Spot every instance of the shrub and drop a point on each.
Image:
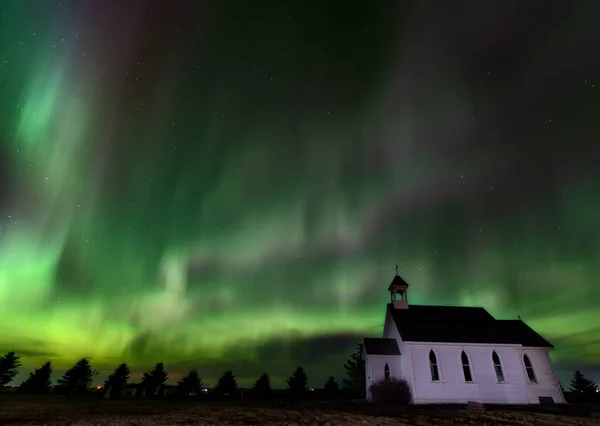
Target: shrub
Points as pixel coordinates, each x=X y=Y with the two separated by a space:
x=391 y=391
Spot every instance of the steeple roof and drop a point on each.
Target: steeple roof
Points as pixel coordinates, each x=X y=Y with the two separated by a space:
x=397 y=281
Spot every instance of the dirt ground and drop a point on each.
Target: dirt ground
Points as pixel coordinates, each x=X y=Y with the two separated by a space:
x=86 y=412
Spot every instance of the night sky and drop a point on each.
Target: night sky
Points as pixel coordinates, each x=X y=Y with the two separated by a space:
x=229 y=184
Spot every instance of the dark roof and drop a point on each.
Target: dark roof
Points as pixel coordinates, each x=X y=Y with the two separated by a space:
x=398 y=280
x=379 y=346
x=457 y=324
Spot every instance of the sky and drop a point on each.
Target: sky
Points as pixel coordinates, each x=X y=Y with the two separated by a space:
x=230 y=184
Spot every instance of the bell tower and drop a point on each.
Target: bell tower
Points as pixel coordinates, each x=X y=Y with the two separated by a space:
x=398 y=289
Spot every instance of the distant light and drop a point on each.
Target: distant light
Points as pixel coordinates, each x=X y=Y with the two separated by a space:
x=99 y=387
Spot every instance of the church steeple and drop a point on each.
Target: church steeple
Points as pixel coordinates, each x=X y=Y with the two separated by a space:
x=398 y=289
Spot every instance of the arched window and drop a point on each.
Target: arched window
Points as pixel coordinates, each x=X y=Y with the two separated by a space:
x=529 y=369
x=497 y=367
x=386 y=372
x=466 y=367
x=433 y=365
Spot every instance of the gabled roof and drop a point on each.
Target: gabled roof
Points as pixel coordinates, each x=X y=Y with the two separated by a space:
x=379 y=346
x=457 y=324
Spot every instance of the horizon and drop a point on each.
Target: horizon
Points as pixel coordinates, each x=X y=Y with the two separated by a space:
x=245 y=382
x=228 y=185
x=279 y=383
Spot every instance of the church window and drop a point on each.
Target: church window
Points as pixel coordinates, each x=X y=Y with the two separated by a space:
x=466 y=367
x=433 y=365
x=386 y=372
x=529 y=369
x=497 y=367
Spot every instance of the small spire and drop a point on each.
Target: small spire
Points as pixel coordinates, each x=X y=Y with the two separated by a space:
x=396 y=270
x=519 y=317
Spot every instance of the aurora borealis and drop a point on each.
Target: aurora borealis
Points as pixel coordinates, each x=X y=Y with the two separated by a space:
x=228 y=185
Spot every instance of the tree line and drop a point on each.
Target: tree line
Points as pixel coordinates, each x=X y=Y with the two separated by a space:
x=79 y=378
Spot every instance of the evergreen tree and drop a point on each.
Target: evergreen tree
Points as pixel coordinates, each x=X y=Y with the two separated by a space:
x=154 y=379
x=76 y=379
x=331 y=388
x=227 y=384
x=298 y=382
x=9 y=367
x=191 y=384
x=117 y=381
x=581 y=385
x=262 y=387
x=355 y=384
x=38 y=382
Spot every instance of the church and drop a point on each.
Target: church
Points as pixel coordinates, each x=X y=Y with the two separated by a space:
x=452 y=354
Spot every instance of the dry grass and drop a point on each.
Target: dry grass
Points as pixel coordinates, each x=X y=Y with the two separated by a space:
x=85 y=412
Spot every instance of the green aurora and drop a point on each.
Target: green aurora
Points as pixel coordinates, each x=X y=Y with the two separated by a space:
x=230 y=187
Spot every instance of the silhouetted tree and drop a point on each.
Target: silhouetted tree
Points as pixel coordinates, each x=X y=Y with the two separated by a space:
x=331 y=387
x=581 y=385
x=9 y=367
x=117 y=381
x=227 y=384
x=191 y=384
x=153 y=380
x=76 y=379
x=38 y=382
x=355 y=384
x=262 y=387
x=298 y=382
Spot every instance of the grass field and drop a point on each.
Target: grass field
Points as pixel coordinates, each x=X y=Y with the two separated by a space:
x=59 y=411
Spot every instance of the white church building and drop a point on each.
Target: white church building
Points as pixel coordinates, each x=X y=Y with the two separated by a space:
x=451 y=354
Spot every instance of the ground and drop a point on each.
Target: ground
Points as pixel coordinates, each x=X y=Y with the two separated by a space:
x=59 y=411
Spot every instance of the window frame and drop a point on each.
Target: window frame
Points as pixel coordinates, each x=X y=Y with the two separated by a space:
x=529 y=371
x=499 y=366
x=431 y=367
x=466 y=365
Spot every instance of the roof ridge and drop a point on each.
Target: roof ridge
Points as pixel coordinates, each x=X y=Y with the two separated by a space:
x=447 y=306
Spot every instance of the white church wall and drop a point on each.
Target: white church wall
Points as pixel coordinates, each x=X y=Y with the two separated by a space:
x=546 y=382
x=407 y=366
x=452 y=388
x=367 y=376
x=390 y=331
x=375 y=366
